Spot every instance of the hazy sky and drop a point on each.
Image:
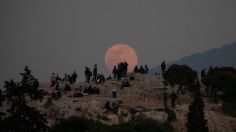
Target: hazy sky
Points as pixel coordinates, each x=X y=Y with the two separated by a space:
x=65 y=35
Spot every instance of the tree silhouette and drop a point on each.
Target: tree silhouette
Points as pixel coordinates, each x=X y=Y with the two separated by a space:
x=221 y=85
x=223 y=80
x=23 y=117
x=196 y=121
x=182 y=75
x=1 y=97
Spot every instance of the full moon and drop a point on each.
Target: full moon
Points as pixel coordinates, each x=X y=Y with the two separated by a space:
x=121 y=53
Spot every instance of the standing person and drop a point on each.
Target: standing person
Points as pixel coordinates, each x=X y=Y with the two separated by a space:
x=119 y=73
x=165 y=97
x=53 y=79
x=126 y=68
x=173 y=97
x=66 y=78
x=141 y=70
x=163 y=67
x=58 y=78
x=114 y=72
x=88 y=74
x=146 y=69
x=95 y=73
x=136 y=69
x=73 y=78
x=122 y=69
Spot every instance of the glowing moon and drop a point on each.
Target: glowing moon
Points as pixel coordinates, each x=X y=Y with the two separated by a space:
x=120 y=53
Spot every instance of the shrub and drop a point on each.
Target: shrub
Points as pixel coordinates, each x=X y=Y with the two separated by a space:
x=171 y=115
x=139 y=124
x=105 y=118
x=230 y=108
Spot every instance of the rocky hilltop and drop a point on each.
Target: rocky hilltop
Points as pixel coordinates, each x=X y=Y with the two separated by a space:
x=143 y=96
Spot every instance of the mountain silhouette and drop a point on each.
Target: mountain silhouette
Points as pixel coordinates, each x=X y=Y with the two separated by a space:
x=223 y=56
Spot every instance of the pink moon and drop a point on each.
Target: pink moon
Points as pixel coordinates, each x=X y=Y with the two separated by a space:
x=121 y=53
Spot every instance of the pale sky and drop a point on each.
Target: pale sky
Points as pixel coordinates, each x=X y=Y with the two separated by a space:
x=65 y=35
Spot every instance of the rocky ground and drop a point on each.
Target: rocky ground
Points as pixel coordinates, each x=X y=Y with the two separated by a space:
x=143 y=96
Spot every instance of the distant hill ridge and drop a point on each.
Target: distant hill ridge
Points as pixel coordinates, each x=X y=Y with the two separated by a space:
x=224 y=56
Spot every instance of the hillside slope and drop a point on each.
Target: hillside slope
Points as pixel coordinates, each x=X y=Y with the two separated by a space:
x=223 y=56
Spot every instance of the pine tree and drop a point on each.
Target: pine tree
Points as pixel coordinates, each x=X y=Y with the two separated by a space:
x=22 y=116
x=196 y=121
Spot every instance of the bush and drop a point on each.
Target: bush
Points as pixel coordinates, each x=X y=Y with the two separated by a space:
x=105 y=118
x=230 y=108
x=171 y=115
x=139 y=124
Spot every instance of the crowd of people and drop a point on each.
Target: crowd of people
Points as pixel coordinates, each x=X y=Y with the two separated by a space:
x=97 y=78
x=61 y=84
x=91 y=90
x=84 y=91
x=120 y=70
x=141 y=69
x=55 y=79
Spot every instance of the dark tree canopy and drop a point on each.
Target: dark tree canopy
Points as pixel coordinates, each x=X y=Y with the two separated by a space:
x=2 y=98
x=221 y=85
x=222 y=80
x=182 y=75
x=22 y=116
x=196 y=120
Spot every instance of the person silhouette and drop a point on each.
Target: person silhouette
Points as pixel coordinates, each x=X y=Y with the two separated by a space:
x=173 y=97
x=114 y=72
x=163 y=67
x=88 y=74
x=95 y=73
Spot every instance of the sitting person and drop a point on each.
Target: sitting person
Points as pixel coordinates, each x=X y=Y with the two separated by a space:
x=78 y=93
x=85 y=91
x=96 y=90
x=67 y=87
x=109 y=77
x=56 y=95
x=132 y=76
x=125 y=83
x=90 y=90
x=114 y=108
x=100 y=79
x=107 y=106
x=114 y=93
